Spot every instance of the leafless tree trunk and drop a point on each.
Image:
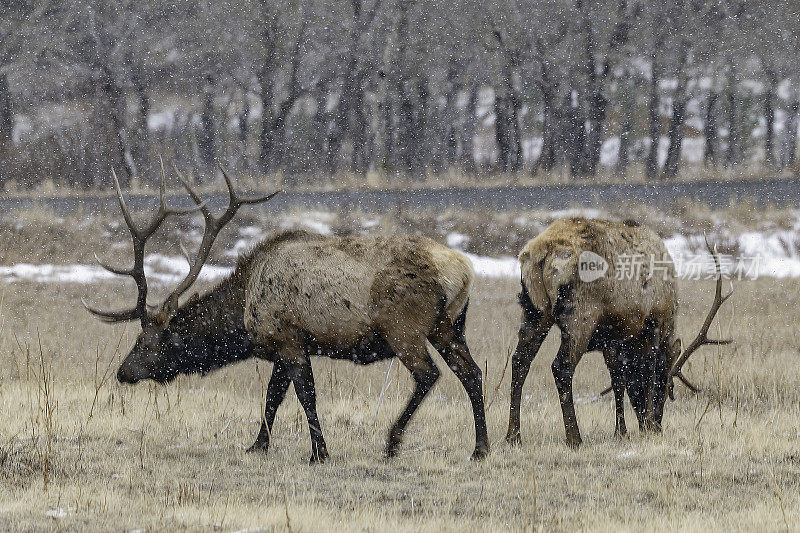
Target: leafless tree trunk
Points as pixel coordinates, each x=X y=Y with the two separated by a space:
x=769 y=118
x=552 y=121
x=574 y=136
x=710 y=129
x=733 y=155
x=449 y=141
x=654 y=121
x=791 y=133
x=6 y=125
x=468 y=130
x=113 y=101
x=320 y=121
x=206 y=136
x=502 y=134
x=626 y=126
x=273 y=122
x=676 y=128
x=676 y=124
x=419 y=136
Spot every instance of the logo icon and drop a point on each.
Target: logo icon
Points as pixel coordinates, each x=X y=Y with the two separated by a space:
x=591 y=266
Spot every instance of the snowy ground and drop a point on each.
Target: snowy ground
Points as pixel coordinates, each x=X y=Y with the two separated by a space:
x=767 y=246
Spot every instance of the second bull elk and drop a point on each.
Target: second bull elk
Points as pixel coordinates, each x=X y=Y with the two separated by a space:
x=629 y=316
x=299 y=294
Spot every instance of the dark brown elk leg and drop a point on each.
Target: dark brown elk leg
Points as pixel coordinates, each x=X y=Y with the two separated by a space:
x=657 y=379
x=618 y=386
x=425 y=374
x=569 y=354
x=449 y=341
x=530 y=338
x=276 y=392
x=299 y=368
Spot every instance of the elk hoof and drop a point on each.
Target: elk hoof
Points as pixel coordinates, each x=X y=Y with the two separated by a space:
x=259 y=446
x=480 y=453
x=514 y=439
x=319 y=457
x=391 y=451
x=620 y=432
x=392 y=443
x=574 y=442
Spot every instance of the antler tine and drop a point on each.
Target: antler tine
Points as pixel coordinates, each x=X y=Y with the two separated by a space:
x=192 y=193
x=185 y=253
x=214 y=225
x=112 y=316
x=702 y=337
x=112 y=269
x=231 y=191
x=163 y=210
x=123 y=206
x=234 y=196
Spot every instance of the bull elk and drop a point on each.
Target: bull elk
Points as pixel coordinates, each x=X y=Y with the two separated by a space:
x=627 y=315
x=298 y=294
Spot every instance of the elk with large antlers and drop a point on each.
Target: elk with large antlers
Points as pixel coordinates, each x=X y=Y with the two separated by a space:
x=609 y=286
x=299 y=294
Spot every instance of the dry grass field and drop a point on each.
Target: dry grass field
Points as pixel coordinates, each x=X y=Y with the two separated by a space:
x=80 y=452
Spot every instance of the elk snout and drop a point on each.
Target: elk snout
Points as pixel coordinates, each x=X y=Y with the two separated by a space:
x=127 y=373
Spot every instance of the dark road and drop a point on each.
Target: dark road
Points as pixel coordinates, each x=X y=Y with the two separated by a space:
x=776 y=192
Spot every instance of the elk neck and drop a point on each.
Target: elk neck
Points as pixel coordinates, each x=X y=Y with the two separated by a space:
x=212 y=327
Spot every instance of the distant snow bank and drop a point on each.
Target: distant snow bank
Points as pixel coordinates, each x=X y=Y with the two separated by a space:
x=495 y=267
x=160 y=269
x=769 y=253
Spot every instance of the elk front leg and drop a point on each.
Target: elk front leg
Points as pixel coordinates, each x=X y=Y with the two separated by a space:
x=618 y=386
x=276 y=392
x=454 y=350
x=425 y=373
x=531 y=335
x=301 y=374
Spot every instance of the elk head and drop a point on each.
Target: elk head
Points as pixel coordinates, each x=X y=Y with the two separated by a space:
x=159 y=348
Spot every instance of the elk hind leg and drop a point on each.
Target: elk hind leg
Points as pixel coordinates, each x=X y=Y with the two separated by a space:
x=276 y=392
x=299 y=365
x=414 y=356
x=531 y=335
x=573 y=345
x=448 y=339
x=618 y=386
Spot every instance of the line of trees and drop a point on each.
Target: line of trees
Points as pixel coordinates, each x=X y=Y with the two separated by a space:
x=407 y=87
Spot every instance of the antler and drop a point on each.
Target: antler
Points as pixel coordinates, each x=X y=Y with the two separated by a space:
x=213 y=225
x=139 y=237
x=702 y=338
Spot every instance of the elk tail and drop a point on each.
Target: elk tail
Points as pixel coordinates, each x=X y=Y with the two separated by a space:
x=461 y=321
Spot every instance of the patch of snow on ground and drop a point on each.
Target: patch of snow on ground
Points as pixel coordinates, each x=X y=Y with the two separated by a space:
x=760 y=254
x=371 y=222
x=318 y=222
x=57 y=512
x=577 y=212
x=494 y=267
x=160 y=269
x=53 y=273
x=457 y=240
x=776 y=252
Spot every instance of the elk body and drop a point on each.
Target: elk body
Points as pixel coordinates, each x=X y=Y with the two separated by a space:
x=299 y=294
x=628 y=314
